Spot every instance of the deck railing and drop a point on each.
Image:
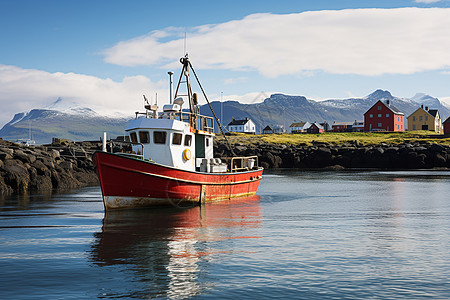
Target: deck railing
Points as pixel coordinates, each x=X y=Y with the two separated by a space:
x=241 y=163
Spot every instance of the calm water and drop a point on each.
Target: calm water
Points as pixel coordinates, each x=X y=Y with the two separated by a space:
x=319 y=235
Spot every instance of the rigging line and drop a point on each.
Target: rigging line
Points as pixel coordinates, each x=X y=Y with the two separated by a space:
x=210 y=107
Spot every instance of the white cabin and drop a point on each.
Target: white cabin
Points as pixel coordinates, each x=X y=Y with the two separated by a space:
x=169 y=139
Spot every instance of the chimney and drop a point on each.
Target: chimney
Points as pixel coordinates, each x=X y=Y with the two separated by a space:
x=246 y=118
x=388 y=102
x=426 y=108
x=232 y=119
x=421 y=106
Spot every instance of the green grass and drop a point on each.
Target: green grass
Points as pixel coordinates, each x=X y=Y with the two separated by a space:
x=337 y=138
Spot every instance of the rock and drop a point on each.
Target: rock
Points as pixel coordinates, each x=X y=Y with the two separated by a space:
x=16 y=175
x=7 y=151
x=334 y=168
x=67 y=165
x=54 y=153
x=437 y=148
x=22 y=156
x=4 y=156
x=41 y=168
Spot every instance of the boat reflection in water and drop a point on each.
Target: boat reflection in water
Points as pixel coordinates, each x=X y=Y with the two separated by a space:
x=166 y=252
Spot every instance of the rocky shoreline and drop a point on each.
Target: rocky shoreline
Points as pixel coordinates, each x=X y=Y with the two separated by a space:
x=45 y=168
x=417 y=155
x=68 y=165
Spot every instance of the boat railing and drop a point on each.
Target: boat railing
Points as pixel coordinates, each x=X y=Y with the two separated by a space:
x=241 y=163
x=200 y=122
x=197 y=121
x=138 y=154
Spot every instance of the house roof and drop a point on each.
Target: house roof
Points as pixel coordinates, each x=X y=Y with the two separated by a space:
x=317 y=125
x=432 y=112
x=391 y=107
x=267 y=128
x=300 y=124
x=447 y=120
x=342 y=123
x=238 y=122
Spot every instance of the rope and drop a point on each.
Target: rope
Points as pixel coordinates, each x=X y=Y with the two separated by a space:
x=210 y=107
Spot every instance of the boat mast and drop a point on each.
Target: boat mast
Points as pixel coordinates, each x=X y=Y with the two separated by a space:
x=185 y=72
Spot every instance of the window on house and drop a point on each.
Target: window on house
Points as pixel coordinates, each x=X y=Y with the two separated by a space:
x=379 y=107
x=188 y=140
x=379 y=124
x=414 y=127
x=133 y=137
x=426 y=118
x=159 y=137
x=379 y=115
x=420 y=118
x=370 y=116
x=144 y=137
x=414 y=118
x=176 y=138
x=387 y=115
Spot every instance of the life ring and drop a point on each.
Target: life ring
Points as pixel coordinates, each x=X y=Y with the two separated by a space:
x=187 y=154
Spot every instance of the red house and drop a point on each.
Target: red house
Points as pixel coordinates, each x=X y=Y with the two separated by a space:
x=383 y=116
x=447 y=126
x=315 y=128
x=342 y=126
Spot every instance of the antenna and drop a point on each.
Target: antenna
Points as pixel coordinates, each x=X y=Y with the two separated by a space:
x=170 y=86
x=145 y=99
x=156 y=99
x=185 y=47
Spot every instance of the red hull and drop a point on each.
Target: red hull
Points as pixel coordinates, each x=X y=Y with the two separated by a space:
x=129 y=183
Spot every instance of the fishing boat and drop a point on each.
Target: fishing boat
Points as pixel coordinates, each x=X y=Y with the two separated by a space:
x=171 y=160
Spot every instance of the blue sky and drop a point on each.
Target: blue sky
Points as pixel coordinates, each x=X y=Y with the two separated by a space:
x=106 y=54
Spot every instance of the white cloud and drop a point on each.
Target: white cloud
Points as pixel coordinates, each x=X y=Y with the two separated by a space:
x=427 y=1
x=352 y=41
x=26 y=89
x=236 y=80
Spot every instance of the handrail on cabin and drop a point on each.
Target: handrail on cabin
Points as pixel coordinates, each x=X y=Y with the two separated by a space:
x=242 y=163
x=129 y=143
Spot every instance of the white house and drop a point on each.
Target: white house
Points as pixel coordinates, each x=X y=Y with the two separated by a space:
x=299 y=127
x=245 y=126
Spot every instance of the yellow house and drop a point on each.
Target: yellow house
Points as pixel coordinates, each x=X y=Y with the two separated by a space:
x=425 y=119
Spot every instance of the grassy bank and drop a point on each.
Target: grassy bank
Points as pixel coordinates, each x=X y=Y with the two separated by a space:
x=363 y=138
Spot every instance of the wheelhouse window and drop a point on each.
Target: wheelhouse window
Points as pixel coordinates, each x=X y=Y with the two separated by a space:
x=144 y=137
x=188 y=140
x=159 y=137
x=133 y=137
x=177 y=138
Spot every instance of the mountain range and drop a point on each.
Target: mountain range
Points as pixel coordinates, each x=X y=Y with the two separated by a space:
x=280 y=109
x=77 y=123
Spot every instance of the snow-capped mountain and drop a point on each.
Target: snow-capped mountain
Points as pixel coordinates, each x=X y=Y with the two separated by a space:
x=63 y=119
x=70 y=108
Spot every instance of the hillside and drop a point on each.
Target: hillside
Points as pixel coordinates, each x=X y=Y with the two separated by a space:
x=281 y=109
